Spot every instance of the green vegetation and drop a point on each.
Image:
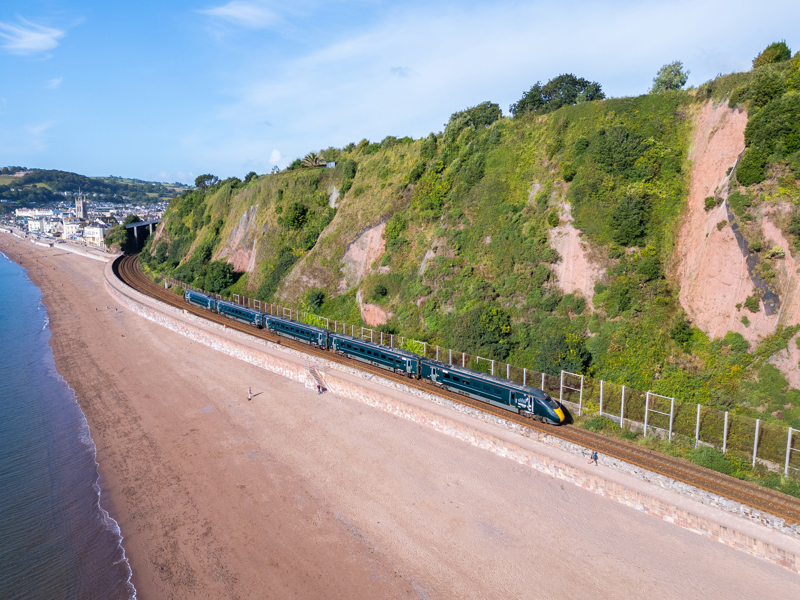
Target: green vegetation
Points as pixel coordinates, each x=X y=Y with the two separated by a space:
x=479 y=200
x=670 y=78
x=564 y=90
x=42 y=186
x=774 y=53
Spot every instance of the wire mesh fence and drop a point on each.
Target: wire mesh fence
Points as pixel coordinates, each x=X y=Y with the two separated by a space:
x=628 y=407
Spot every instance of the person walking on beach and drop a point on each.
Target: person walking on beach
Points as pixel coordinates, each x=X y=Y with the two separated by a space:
x=593 y=458
x=249 y=394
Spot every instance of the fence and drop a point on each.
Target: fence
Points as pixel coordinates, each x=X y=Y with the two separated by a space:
x=645 y=411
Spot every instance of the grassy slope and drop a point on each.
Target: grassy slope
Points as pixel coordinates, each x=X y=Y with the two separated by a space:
x=489 y=289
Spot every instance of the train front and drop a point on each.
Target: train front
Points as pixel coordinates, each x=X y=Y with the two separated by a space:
x=552 y=411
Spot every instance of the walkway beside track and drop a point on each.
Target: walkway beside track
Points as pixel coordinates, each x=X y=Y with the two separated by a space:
x=684 y=505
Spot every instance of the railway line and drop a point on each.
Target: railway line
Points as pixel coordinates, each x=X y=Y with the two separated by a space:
x=750 y=494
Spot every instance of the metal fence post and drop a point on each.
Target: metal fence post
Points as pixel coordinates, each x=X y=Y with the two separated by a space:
x=725 y=435
x=561 y=389
x=437 y=353
x=391 y=340
x=671 y=416
x=601 y=397
x=646 y=410
x=492 y=367
x=508 y=371
x=580 y=399
x=542 y=381
x=463 y=359
x=622 y=408
x=788 y=452
x=755 y=442
x=697 y=428
x=425 y=349
x=524 y=376
x=381 y=338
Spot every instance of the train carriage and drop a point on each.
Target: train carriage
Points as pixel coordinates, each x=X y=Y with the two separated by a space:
x=522 y=399
x=240 y=313
x=200 y=299
x=309 y=334
x=391 y=359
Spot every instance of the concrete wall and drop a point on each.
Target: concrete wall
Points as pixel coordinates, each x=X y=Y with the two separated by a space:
x=743 y=538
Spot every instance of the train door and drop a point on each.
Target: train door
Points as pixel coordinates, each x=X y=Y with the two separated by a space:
x=434 y=375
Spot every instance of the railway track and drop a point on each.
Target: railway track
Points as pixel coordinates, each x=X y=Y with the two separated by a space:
x=750 y=494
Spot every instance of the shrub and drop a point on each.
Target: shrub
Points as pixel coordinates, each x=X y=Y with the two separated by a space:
x=629 y=221
x=379 y=291
x=745 y=321
x=755 y=246
x=765 y=85
x=721 y=224
x=775 y=252
x=775 y=125
x=553 y=218
x=315 y=299
x=750 y=169
x=596 y=423
x=296 y=215
x=568 y=172
x=681 y=332
x=752 y=303
x=616 y=151
x=739 y=202
x=775 y=52
x=709 y=203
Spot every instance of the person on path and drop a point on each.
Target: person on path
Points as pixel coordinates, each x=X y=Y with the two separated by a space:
x=249 y=394
x=593 y=458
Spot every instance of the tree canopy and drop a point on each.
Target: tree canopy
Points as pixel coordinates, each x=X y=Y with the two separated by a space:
x=482 y=115
x=775 y=52
x=202 y=182
x=670 y=78
x=564 y=90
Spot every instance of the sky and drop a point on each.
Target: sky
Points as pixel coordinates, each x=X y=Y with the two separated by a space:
x=165 y=91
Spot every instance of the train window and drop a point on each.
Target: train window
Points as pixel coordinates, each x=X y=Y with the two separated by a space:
x=456 y=379
x=383 y=356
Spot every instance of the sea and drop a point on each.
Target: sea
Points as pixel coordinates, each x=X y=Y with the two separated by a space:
x=56 y=540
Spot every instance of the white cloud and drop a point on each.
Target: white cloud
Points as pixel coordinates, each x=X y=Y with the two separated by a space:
x=252 y=15
x=275 y=157
x=54 y=83
x=28 y=38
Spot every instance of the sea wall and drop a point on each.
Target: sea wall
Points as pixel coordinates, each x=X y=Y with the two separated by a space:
x=339 y=380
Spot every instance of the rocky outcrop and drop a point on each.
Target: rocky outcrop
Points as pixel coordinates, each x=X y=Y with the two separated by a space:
x=240 y=247
x=578 y=270
x=361 y=254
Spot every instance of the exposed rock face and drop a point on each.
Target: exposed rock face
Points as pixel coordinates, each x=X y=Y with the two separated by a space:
x=372 y=314
x=712 y=269
x=240 y=247
x=577 y=272
x=360 y=255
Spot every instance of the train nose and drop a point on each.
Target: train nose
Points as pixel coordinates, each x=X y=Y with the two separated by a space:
x=560 y=415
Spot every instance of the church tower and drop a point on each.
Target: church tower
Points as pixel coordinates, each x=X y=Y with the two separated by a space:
x=81 y=210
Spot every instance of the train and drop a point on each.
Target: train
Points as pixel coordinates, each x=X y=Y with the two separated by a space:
x=524 y=400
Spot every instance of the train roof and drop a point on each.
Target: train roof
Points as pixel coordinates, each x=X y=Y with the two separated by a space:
x=399 y=351
x=196 y=293
x=285 y=320
x=493 y=378
x=234 y=305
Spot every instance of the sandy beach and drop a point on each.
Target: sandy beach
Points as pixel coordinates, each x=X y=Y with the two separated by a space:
x=295 y=495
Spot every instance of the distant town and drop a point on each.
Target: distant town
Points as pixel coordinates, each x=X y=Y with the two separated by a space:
x=79 y=220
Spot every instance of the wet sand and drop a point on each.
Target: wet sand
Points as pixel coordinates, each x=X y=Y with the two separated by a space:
x=295 y=495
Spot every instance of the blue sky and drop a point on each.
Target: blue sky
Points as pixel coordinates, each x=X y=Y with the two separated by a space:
x=168 y=90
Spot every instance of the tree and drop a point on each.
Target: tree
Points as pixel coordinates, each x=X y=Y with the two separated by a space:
x=312 y=159
x=250 y=176
x=563 y=90
x=131 y=219
x=202 y=182
x=482 y=115
x=296 y=215
x=775 y=52
x=670 y=78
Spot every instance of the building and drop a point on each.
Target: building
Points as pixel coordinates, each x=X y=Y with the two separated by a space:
x=95 y=233
x=73 y=227
x=22 y=213
x=81 y=208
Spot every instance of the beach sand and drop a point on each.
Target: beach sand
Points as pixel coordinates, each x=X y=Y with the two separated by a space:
x=295 y=495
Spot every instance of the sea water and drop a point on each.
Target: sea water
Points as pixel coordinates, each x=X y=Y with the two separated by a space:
x=56 y=541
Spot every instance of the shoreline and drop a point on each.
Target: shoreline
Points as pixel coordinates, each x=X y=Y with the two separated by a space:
x=296 y=494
